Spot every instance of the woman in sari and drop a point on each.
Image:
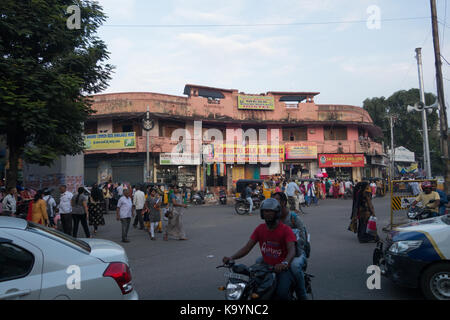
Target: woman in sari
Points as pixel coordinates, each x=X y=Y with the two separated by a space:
x=362 y=210
x=39 y=210
x=336 y=189
x=96 y=208
x=175 y=227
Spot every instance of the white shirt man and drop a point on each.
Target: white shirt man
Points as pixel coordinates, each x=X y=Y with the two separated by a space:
x=291 y=188
x=65 y=205
x=348 y=185
x=65 y=210
x=125 y=206
x=51 y=204
x=139 y=200
x=120 y=190
x=9 y=203
x=124 y=213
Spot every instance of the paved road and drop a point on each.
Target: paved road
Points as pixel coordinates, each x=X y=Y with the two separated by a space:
x=176 y=270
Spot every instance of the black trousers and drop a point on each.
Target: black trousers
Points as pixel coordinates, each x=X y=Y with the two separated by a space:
x=66 y=222
x=139 y=218
x=77 y=218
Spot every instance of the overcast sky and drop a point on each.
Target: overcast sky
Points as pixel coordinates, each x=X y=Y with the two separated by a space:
x=345 y=62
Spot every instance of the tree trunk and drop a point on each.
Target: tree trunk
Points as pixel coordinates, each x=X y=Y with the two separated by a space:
x=15 y=151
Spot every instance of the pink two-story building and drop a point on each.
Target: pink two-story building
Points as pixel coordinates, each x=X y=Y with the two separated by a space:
x=305 y=138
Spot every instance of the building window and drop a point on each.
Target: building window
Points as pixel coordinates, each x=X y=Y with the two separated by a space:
x=335 y=133
x=295 y=134
x=90 y=127
x=127 y=128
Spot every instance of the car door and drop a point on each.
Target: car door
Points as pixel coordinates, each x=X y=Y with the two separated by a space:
x=20 y=268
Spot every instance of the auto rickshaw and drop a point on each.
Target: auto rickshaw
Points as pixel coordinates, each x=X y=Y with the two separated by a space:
x=242 y=183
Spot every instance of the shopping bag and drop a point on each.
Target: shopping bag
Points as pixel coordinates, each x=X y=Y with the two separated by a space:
x=372 y=226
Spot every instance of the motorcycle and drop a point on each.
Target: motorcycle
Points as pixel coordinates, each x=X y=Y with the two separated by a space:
x=198 y=198
x=257 y=282
x=222 y=197
x=420 y=213
x=242 y=206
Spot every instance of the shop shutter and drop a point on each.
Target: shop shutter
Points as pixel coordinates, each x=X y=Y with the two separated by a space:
x=129 y=174
x=90 y=176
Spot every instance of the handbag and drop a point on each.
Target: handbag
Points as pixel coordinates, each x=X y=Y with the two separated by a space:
x=169 y=213
x=372 y=225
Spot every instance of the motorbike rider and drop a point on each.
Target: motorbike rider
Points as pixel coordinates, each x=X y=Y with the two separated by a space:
x=248 y=196
x=291 y=219
x=443 y=201
x=277 y=245
x=426 y=196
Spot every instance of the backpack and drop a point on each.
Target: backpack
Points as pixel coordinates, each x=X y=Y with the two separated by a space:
x=49 y=208
x=307 y=246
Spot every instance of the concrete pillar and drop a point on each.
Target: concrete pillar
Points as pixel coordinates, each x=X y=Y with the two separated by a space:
x=199 y=185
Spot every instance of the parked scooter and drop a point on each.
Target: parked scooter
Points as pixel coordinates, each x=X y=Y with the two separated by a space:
x=222 y=197
x=257 y=282
x=198 y=198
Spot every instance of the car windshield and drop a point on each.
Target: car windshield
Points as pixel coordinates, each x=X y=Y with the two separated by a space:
x=58 y=236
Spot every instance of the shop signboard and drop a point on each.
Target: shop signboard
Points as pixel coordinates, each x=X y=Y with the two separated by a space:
x=108 y=141
x=301 y=150
x=341 y=160
x=252 y=153
x=247 y=102
x=179 y=159
x=380 y=161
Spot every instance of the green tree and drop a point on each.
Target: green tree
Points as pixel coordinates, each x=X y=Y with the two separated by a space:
x=408 y=126
x=47 y=72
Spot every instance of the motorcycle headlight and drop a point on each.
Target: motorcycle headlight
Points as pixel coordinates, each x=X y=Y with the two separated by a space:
x=234 y=290
x=412 y=215
x=401 y=247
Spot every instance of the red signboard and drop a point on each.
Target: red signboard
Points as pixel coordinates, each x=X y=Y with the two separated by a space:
x=341 y=160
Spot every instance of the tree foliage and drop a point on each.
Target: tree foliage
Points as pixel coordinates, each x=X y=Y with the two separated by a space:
x=47 y=72
x=408 y=126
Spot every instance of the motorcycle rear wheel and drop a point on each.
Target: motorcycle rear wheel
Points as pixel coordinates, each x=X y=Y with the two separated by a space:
x=241 y=208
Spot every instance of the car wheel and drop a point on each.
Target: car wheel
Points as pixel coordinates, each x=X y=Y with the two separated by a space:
x=435 y=282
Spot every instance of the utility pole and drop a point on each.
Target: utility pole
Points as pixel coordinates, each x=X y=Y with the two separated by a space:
x=426 y=150
x=440 y=93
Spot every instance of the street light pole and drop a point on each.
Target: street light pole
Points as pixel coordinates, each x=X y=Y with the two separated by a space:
x=426 y=150
x=147 y=118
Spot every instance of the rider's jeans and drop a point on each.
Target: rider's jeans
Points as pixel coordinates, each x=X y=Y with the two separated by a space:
x=297 y=270
x=249 y=199
x=286 y=278
x=442 y=210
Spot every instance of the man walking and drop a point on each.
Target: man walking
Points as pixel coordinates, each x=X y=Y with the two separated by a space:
x=51 y=206
x=10 y=202
x=124 y=213
x=138 y=206
x=291 y=190
x=65 y=209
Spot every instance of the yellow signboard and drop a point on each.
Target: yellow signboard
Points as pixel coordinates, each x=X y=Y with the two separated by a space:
x=108 y=141
x=256 y=102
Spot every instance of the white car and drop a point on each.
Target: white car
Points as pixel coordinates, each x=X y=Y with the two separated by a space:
x=41 y=263
x=417 y=255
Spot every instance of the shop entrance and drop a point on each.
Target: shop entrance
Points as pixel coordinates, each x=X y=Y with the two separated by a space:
x=341 y=173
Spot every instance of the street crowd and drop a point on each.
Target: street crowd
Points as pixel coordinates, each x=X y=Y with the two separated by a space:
x=88 y=206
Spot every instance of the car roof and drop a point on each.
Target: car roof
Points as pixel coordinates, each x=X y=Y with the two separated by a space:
x=13 y=223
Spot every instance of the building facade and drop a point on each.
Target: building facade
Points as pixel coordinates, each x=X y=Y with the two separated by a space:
x=240 y=135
